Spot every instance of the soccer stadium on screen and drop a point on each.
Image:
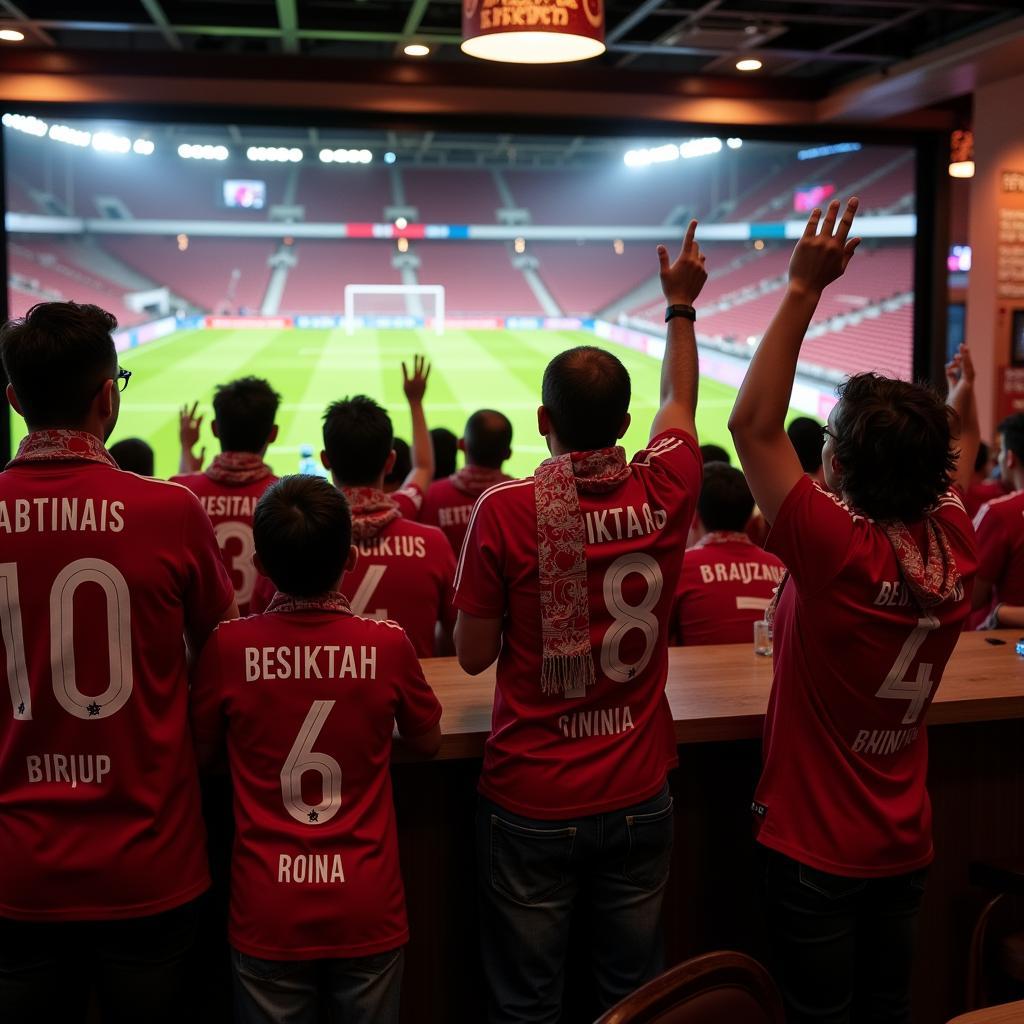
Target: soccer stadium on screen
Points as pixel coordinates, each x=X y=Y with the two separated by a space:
x=319 y=258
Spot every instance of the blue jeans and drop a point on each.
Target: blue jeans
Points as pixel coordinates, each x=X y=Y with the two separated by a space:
x=843 y=948
x=533 y=874
x=354 y=990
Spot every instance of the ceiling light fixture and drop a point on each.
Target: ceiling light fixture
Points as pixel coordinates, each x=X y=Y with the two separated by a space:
x=505 y=30
x=417 y=50
x=11 y=35
x=961 y=154
x=749 y=64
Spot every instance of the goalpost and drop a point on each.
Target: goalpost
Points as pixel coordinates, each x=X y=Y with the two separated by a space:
x=353 y=290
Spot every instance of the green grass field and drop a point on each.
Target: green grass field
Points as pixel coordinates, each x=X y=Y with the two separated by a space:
x=310 y=368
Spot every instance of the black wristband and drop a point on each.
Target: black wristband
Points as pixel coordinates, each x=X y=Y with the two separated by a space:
x=687 y=312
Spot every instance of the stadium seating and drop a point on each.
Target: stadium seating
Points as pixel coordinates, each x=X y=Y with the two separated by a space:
x=349 y=192
x=584 y=278
x=444 y=195
x=317 y=282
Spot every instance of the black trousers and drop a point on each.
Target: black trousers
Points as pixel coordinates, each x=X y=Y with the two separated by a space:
x=139 y=967
x=843 y=948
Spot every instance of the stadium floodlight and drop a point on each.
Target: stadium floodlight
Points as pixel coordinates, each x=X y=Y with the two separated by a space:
x=354 y=290
x=670 y=151
x=72 y=136
x=734 y=143
x=275 y=154
x=25 y=123
x=832 y=150
x=390 y=158
x=346 y=156
x=699 y=147
x=401 y=223
x=107 y=142
x=194 y=151
x=144 y=147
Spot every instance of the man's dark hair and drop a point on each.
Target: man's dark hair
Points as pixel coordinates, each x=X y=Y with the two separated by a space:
x=134 y=455
x=57 y=357
x=358 y=439
x=586 y=394
x=302 y=529
x=981 y=459
x=402 y=467
x=806 y=437
x=1012 y=429
x=446 y=447
x=487 y=438
x=892 y=440
x=245 y=410
x=714 y=453
x=725 y=501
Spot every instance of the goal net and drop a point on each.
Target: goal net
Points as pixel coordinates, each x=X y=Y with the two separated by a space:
x=368 y=302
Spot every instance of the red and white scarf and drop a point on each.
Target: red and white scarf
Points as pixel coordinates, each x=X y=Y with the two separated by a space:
x=331 y=601
x=371 y=509
x=931 y=579
x=61 y=446
x=568 y=662
x=236 y=469
x=723 y=537
x=474 y=480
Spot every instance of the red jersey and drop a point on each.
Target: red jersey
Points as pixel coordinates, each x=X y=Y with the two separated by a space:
x=449 y=508
x=230 y=508
x=978 y=494
x=405 y=574
x=565 y=755
x=102 y=571
x=309 y=698
x=1000 y=529
x=726 y=584
x=857 y=663
x=410 y=501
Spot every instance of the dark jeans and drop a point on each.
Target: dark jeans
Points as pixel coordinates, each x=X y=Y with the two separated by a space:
x=356 y=990
x=843 y=947
x=534 y=873
x=140 y=968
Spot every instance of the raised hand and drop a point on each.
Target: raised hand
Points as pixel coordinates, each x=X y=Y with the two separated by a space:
x=682 y=280
x=415 y=386
x=189 y=426
x=960 y=369
x=822 y=256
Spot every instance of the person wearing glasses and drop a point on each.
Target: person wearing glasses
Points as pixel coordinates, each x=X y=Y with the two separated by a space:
x=108 y=581
x=880 y=565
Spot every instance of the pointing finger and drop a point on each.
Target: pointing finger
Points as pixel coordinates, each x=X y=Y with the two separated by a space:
x=663 y=258
x=690 y=232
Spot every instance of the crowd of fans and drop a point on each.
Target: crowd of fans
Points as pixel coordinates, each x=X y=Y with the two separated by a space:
x=277 y=626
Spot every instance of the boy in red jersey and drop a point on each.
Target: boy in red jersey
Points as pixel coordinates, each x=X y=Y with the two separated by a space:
x=308 y=695
x=105 y=577
x=243 y=422
x=487 y=442
x=568 y=576
x=880 y=571
x=405 y=569
x=727 y=581
x=983 y=487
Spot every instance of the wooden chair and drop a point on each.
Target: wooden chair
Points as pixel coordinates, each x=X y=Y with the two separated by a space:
x=709 y=989
x=997 y=942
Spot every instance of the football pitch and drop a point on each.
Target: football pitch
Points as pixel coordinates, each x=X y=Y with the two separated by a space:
x=472 y=369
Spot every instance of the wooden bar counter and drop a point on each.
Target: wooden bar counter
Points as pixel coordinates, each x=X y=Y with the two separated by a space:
x=718 y=697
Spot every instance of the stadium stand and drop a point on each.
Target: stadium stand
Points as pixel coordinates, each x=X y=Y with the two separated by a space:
x=446 y=195
x=584 y=278
x=349 y=193
x=317 y=282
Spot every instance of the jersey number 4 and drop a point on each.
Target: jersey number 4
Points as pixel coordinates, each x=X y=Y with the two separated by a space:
x=917 y=688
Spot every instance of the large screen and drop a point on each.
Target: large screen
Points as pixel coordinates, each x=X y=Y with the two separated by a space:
x=319 y=259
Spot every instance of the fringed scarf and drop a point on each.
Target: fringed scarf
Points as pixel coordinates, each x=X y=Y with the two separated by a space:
x=236 y=469
x=371 y=509
x=331 y=601
x=568 y=662
x=61 y=446
x=474 y=480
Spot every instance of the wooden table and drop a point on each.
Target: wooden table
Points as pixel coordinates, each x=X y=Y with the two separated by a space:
x=1008 y=1013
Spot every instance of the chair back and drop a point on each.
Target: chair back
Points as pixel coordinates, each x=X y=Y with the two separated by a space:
x=711 y=989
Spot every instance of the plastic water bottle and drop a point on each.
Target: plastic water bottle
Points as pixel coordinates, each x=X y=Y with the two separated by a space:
x=308 y=466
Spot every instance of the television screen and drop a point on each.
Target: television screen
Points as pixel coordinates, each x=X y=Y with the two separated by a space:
x=959 y=258
x=806 y=199
x=490 y=252
x=245 y=193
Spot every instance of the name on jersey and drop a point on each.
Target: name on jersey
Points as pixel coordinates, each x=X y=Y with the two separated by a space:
x=310 y=868
x=58 y=515
x=237 y=505
x=896 y=594
x=600 y=722
x=73 y=769
x=883 y=741
x=394 y=547
x=608 y=524
x=457 y=515
x=325 y=661
x=740 y=572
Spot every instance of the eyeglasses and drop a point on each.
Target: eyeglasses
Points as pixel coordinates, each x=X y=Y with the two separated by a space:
x=826 y=434
x=122 y=378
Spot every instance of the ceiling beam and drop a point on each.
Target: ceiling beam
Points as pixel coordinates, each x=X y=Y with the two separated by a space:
x=24 y=21
x=415 y=17
x=288 y=19
x=630 y=20
x=156 y=12
x=707 y=51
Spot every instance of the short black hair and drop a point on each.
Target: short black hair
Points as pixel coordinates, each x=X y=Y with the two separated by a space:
x=302 y=529
x=133 y=455
x=446 y=447
x=403 y=463
x=586 y=394
x=892 y=441
x=981 y=459
x=57 y=357
x=714 y=453
x=1012 y=429
x=358 y=439
x=488 y=438
x=807 y=438
x=245 y=410
x=725 y=501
